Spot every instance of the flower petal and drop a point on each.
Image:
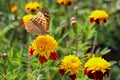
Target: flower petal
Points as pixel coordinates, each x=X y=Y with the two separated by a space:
x=107 y=73
x=91 y=20
x=85 y=71
x=90 y=74
x=69 y=3
x=72 y=77
x=31 y=51
x=22 y=23
x=62 y=71
x=98 y=75
x=97 y=21
x=33 y=10
x=42 y=59
x=53 y=56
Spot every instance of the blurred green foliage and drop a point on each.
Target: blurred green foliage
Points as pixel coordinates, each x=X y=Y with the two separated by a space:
x=14 y=40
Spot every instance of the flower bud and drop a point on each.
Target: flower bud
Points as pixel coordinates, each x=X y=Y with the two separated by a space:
x=76 y=8
x=4 y=56
x=73 y=21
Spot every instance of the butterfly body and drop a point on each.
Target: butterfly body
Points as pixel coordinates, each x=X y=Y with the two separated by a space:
x=39 y=24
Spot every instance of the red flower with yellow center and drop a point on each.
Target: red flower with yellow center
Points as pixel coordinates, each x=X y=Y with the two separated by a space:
x=32 y=6
x=45 y=46
x=98 y=16
x=70 y=64
x=96 y=68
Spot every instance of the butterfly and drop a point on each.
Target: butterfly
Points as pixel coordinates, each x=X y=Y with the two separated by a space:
x=40 y=23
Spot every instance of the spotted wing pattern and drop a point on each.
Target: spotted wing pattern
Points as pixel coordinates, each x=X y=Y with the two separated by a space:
x=46 y=13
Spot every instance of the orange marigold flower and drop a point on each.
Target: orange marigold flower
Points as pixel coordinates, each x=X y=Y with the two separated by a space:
x=96 y=68
x=45 y=46
x=26 y=18
x=98 y=16
x=65 y=2
x=32 y=6
x=70 y=64
x=14 y=8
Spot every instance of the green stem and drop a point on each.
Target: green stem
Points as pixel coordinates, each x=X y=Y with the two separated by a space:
x=94 y=43
x=4 y=70
x=76 y=44
x=76 y=41
x=63 y=77
x=68 y=46
x=49 y=76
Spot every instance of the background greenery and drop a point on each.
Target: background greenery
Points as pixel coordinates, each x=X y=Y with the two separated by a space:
x=14 y=40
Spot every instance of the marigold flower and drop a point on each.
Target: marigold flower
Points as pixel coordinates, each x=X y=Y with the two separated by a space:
x=45 y=46
x=98 y=16
x=14 y=8
x=65 y=2
x=32 y=6
x=70 y=64
x=26 y=18
x=96 y=68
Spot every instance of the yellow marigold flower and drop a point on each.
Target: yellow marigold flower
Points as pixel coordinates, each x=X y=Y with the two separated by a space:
x=45 y=46
x=98 y=16
x=27 y=18
x=65 y=2
x=96 y=68
x=32 y=6
x=70 y=64
x=14 y=8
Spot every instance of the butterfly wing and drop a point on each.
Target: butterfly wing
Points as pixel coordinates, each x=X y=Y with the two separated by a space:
x=46 y=13
x=39 y=24
x=32 y=27
x=40 y=18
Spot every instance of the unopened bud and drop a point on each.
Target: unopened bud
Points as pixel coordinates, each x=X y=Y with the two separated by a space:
x=73 y=24
x=4 y=56
x=76 y=8
x=73 y=21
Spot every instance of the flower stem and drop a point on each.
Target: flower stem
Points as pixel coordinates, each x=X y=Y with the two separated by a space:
x=4 y=56
x=94 y=43
x=4 y=70
x=63 y=77
x=68 y=46
x=76 y=44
